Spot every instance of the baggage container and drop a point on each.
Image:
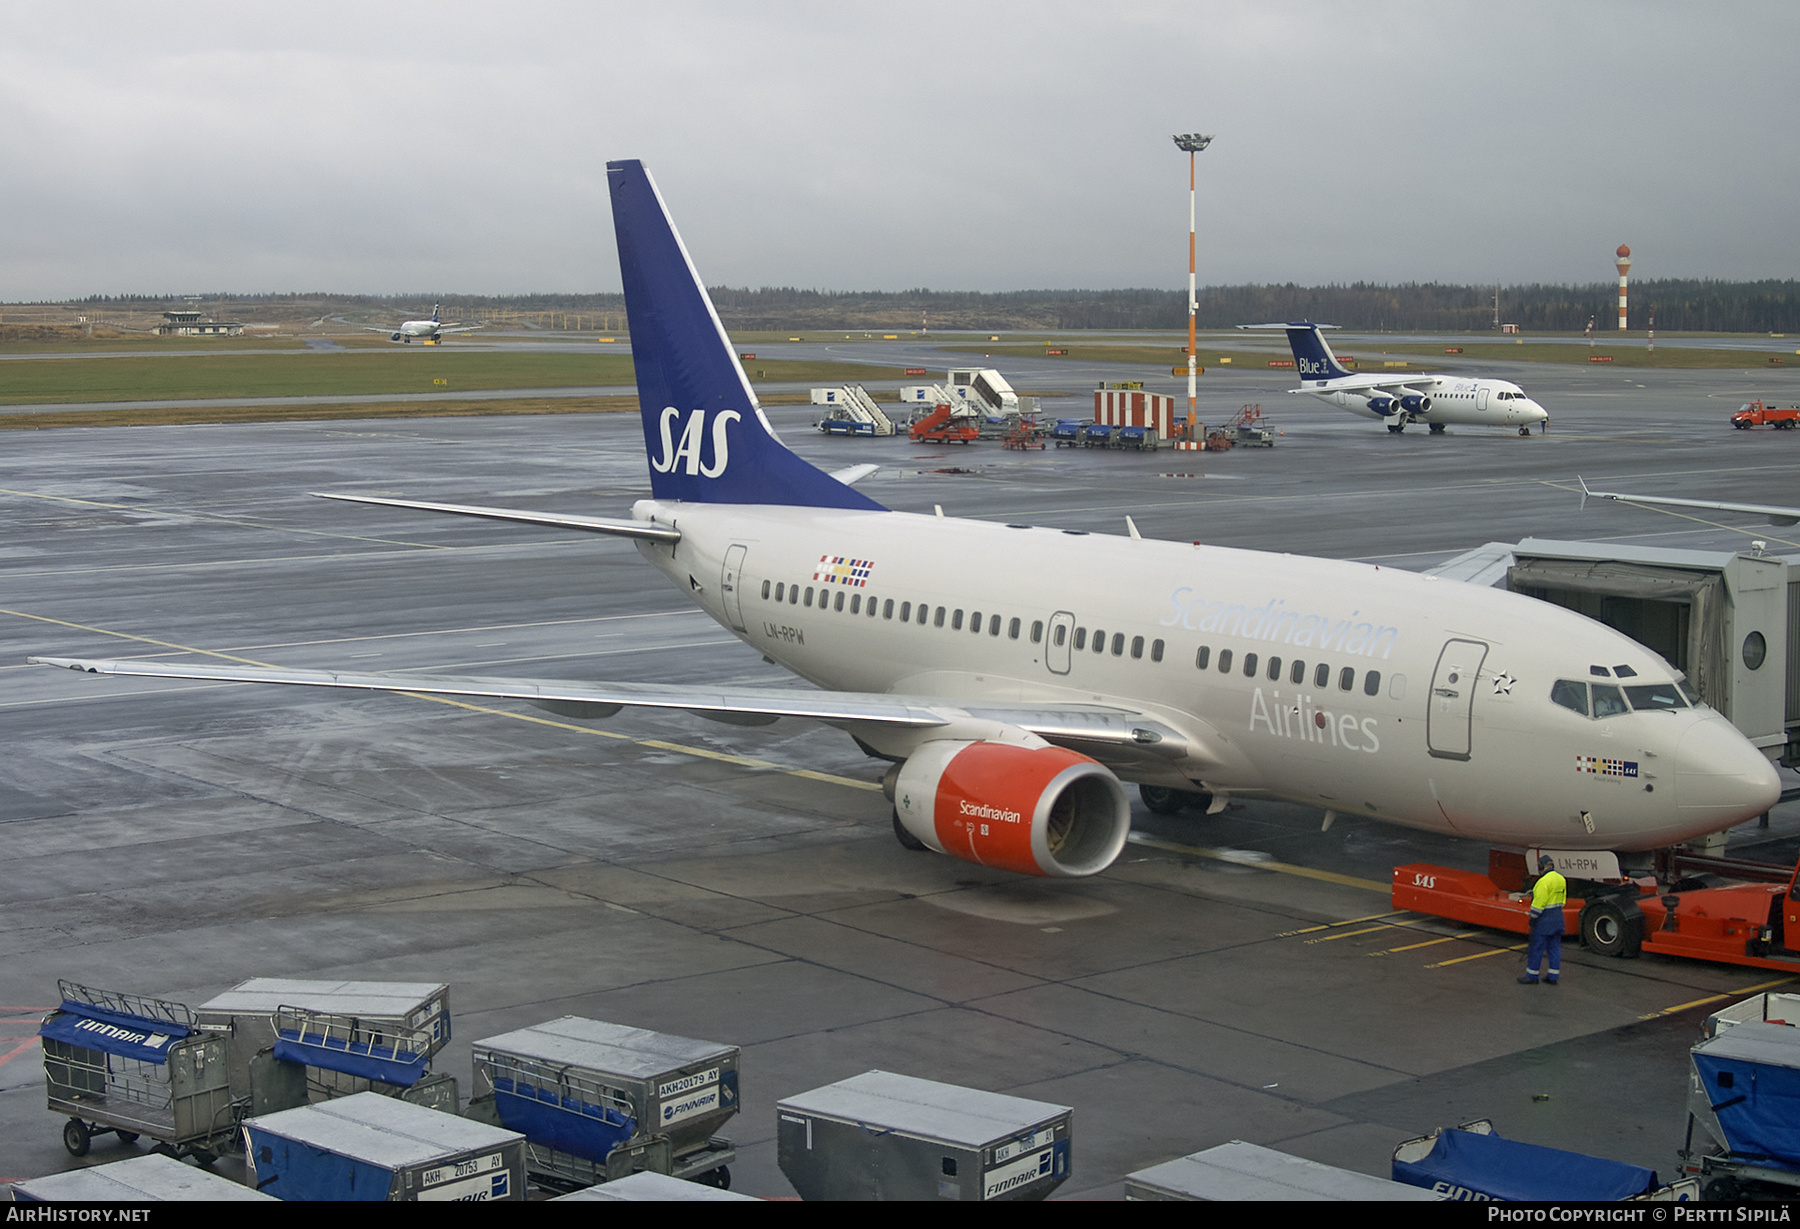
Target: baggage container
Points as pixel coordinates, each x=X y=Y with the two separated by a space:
x=138 y=1067
x=1239 y=1171
x=884 y=1136
x=646 y=1187
x=1742 y=1082
x=600 y=1101
x=374 y=1148
x=153 y=1178
x=349 y=1036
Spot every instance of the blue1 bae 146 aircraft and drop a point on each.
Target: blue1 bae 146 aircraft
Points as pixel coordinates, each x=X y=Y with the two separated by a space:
x=432 y=329
x=1434 y=400
x=1015 y=688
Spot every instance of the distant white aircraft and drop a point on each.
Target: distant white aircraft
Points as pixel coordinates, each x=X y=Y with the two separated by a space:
x=1014 y=677
x=1434 y=400
x=432 y=328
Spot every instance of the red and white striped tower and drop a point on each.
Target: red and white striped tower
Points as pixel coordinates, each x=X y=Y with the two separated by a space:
x=1624 y=267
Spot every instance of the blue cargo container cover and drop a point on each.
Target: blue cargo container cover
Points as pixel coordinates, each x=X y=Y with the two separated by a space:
x=393 y=1064
x=560 y=1122
x=1754 y=1088
x=113 y=1032
x=292 y=1170
x=1466 y=1165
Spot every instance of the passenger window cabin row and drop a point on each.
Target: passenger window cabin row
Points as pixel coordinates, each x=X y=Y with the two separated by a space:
x=824 y=597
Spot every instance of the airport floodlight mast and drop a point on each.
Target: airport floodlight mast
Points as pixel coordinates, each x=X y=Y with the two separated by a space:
x=1192 y=143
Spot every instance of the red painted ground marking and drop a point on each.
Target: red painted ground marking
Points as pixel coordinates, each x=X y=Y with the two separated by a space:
x=17 y=1050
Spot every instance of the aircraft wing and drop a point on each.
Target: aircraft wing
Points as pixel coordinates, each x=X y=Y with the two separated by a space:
x=587 y=524
x=1776 y=514
x=1368 y=383
x=1089 y=726
x=460 y=328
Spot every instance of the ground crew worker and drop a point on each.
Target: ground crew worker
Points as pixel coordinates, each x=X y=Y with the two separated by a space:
x=1547 y=900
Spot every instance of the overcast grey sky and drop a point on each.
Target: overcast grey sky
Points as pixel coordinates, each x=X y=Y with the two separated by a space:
x=407 y=147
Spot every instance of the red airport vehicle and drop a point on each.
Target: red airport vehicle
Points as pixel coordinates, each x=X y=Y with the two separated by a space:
x=1738 y=913
x=1756 y=414
x=938 y=427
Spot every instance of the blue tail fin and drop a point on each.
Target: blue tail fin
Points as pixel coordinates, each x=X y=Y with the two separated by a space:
x=1312 y=357
x=705 y=434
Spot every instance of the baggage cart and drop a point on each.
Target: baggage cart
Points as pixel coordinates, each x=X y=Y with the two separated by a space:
x=599 y=1101
x=884 y=1136
x=140 y=1179
x=1238 y=1171
x=138 y=1067
x=346 y=1036
x=375 y=1148
x=1470 y=1163
x=1742 y=1140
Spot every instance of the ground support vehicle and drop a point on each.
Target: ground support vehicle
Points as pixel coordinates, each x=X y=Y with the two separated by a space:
x=137 y=1067
x=1066 y=433
x=1742 y=1141
x=599 y=1101
x=845 y=426
x=1097 y=435
x=942 y=426
x=1706 y=909
x=1024 y=434
x=1756 y=414
x=1141 y=438
x=1247 y=429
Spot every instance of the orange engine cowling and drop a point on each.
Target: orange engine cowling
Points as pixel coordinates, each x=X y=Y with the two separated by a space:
x=1037 y=810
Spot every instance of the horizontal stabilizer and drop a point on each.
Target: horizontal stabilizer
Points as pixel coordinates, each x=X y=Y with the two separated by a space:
x=587 y=524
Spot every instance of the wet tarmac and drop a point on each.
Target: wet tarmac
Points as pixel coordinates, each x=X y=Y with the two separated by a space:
x=1233 y=977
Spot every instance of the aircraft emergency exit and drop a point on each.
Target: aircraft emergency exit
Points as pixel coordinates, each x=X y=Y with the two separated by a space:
x=1014 y=677
x=1434 y=400
x=432 y=328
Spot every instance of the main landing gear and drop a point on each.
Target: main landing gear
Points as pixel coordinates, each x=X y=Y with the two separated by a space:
x=1164 y=800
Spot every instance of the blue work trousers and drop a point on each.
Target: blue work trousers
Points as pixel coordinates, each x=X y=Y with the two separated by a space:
x=1546 y=936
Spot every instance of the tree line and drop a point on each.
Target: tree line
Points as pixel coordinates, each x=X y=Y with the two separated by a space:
x=1680 y=305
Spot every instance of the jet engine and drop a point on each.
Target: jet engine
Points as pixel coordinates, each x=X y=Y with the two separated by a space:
x=396 y=337
x=1383 y=405
x=1036 y=810
x=1415 y=403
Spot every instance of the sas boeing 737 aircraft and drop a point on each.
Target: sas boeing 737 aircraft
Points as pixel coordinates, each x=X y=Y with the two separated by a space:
x=1015 y=677
x=432 y=328
x=1434 y=400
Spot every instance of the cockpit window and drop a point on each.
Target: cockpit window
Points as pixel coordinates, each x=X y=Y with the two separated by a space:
x=1655 y=696
x=1608 y=702
x=1693 y=697
x=1571 y=695
x=1624 y=672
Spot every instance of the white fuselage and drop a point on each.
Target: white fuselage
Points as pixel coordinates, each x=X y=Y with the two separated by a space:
x=1360 y=689
x=419 y=328
x=1499 y=403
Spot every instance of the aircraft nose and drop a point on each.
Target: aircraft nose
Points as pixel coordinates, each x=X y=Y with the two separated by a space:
x=1538 y=412
x=1720 y=779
